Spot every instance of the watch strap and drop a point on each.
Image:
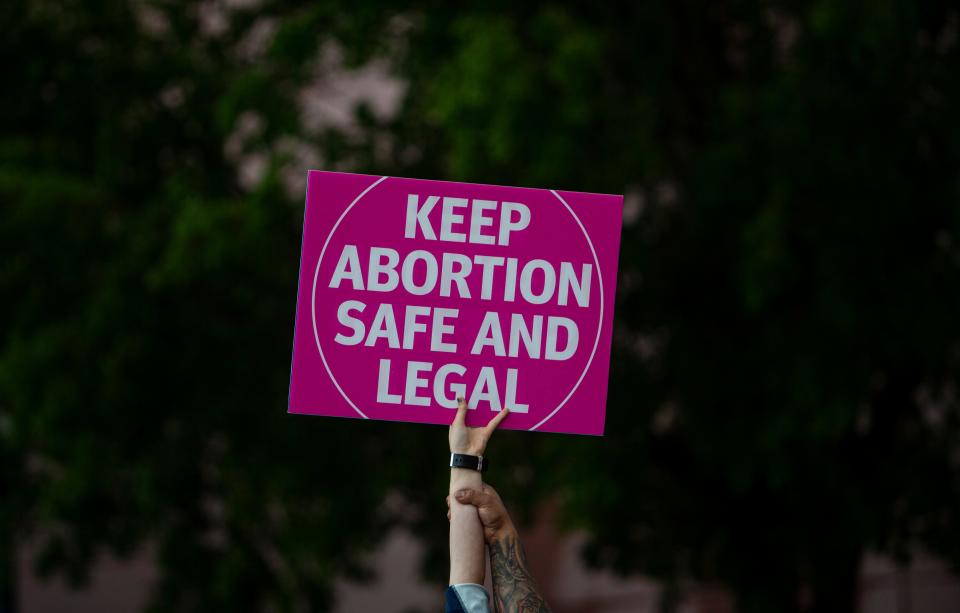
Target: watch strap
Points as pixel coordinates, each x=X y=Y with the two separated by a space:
x=473 y=462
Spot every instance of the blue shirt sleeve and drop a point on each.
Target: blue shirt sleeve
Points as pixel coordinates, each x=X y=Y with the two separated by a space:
x=466 y=598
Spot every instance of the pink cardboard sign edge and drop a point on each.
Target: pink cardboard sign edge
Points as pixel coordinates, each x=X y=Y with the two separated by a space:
x=599 y=368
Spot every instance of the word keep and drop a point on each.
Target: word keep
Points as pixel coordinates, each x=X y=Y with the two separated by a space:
x=513 y=218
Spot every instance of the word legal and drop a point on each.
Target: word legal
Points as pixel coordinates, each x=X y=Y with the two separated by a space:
x=445 y=391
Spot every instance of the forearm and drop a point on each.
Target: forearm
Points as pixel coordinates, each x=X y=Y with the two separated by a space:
x=514 y=589
x=466 y=532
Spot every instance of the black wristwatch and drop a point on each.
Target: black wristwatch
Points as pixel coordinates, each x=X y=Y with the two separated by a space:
x=474 y=462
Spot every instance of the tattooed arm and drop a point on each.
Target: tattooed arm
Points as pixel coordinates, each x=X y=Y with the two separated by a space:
x=514 y=589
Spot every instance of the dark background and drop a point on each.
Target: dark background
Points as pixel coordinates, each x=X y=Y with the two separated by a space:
x=785 y=364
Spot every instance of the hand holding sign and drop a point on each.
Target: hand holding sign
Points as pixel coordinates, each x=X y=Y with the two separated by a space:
x=416 y=293
x=472 y=441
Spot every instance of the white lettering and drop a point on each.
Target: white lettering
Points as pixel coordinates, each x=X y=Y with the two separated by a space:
x=573 y=338
x=526 y=282
x=440 y=329
x=415 y=382
x=383 y=383
x=489 y=334
x=478 y=221
x=430 y=280
x=511 y=400
x=378 y=268
x=488 y=263
x=440 y=385
x=420 y=217
x=411 y=326
x=449 y=218
x=384 y=326
x=485 y=389
x=348 y=267
x=448 y=275
x=344 y=317
x=507 y=223
x=581 y=288
x=532 y=338
x=510 y=281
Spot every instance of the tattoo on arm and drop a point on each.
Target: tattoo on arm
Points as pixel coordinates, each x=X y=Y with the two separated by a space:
x=514 y=589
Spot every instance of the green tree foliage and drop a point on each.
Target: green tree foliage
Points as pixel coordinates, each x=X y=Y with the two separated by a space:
x=783 y=390
x=148 y=308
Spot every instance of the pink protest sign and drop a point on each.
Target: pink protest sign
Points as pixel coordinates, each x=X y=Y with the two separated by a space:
x=413 y=293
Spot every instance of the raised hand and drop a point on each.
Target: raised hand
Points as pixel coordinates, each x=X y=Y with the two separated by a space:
x=472 y=441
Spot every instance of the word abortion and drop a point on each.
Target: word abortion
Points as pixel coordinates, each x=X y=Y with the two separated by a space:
x=453 y=270
x=421 y=272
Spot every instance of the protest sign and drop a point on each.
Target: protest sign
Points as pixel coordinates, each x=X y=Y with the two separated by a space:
x=414 y=292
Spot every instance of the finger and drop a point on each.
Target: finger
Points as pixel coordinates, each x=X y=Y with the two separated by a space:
x=471 y=497
x=489 y=491
x=461 y=416
x=490 y=496
x=495 y=421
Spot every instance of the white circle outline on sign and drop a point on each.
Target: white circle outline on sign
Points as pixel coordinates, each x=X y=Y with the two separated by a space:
x=313 y=304
x=596 y=341
x=313 y=294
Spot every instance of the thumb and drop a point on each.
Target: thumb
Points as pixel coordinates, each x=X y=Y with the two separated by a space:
x=467 y=496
